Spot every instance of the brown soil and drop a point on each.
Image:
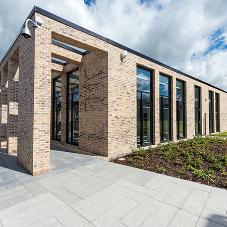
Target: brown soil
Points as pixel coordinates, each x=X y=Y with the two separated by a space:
x=171 y=169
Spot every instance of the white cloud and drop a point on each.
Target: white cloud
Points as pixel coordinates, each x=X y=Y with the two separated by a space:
x=171 y=31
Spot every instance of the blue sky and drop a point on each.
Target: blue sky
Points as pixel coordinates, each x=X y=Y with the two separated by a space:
x=188 y=35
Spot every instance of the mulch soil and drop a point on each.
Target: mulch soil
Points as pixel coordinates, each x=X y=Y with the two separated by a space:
x=154 y=159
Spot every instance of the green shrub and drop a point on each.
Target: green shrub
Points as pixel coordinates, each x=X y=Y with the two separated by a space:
x=160 y=169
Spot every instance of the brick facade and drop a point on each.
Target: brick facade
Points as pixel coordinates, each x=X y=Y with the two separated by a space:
x=107 y=94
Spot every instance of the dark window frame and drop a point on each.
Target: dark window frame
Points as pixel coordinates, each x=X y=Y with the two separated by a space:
x=211 y=112
x=67 y=109
x=142 y=144
x=54 y=136
x=178 y=107
x=217 y=111
x=161 y=108
x=199 y=110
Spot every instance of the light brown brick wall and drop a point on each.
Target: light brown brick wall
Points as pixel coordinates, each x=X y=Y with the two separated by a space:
x=13 y=79
x=93 y=104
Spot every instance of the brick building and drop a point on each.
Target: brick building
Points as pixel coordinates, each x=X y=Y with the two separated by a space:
x=69 y=84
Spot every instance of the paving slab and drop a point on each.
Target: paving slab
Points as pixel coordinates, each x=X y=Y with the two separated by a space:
x=81 y=190
x=161 y=216
x=35 y=189
x=127 y=192
x=217 y=200
x=117 y=212
x=163 y=191
x=183 y=218
x=178 y=196
x=195 y=202
x=136 y=216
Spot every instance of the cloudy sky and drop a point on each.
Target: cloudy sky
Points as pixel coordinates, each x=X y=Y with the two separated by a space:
x=189 y=35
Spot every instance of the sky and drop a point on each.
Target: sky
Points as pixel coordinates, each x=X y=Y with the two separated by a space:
x=188 y=35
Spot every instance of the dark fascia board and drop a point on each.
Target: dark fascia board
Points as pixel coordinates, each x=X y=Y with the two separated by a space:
x=68 y=23
x=59 y=62
x=57 y=43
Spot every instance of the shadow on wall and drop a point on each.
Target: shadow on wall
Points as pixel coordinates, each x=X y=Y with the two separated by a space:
x=9 y=161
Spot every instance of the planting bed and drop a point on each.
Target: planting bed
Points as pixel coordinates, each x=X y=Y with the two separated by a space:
x=202 y=159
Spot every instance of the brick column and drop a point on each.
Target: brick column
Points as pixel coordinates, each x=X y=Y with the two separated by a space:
x=4 y=106
x=63 y=107
x=34 y=101
x=93 y=104
x=13 y=78
x=156 y=107
x=173 y=128
x=190 y=110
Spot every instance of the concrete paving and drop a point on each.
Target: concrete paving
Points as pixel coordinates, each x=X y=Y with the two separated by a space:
x=81 y=190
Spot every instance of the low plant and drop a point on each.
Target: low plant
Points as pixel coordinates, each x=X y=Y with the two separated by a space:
x=131 y=160
x=140 y=153
x=160 y=169
x=180 y=172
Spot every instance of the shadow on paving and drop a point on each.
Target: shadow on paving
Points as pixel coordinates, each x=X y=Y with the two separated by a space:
x=9 y=161
x=220 y=219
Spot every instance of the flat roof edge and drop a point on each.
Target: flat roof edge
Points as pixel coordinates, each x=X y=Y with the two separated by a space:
x=73 y=25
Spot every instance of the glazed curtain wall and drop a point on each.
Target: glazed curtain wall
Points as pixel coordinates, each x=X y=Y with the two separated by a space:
x=73 y=108
x=164 y=93
x=57 y=109
x=144 y=107
x=180 y=109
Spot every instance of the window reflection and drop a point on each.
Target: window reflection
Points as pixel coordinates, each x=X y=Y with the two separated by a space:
x=164 y=83
x=73 y=108
x=144 y=107
x=180 y=108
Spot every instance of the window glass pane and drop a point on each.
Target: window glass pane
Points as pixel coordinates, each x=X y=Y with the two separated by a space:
x=143 y=80
x=69 y=118
x=196 y=122
x=196 y=97
x=75 y=123
x=74 y=82
x=57 y=109
x=138 y=118
x=146 y=124
x=165 y=100
x=163 y=85
x=217 y=111
x=166 y=124
x=146 y=97
x=73 y=105
x=181 y=122
x=179 y=90
x=57 y=87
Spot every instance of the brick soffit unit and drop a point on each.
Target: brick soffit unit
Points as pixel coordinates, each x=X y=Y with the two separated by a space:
x=68 y=23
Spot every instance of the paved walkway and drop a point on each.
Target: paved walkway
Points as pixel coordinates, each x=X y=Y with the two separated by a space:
x=83 y=191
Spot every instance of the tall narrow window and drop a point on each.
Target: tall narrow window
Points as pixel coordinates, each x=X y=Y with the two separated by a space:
x=211 y=117
x=180 y=108
x=57 y=109
x=197 y=111
x=217 y=114
x=144 y=106
x=73 y=108
x=164 y=92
